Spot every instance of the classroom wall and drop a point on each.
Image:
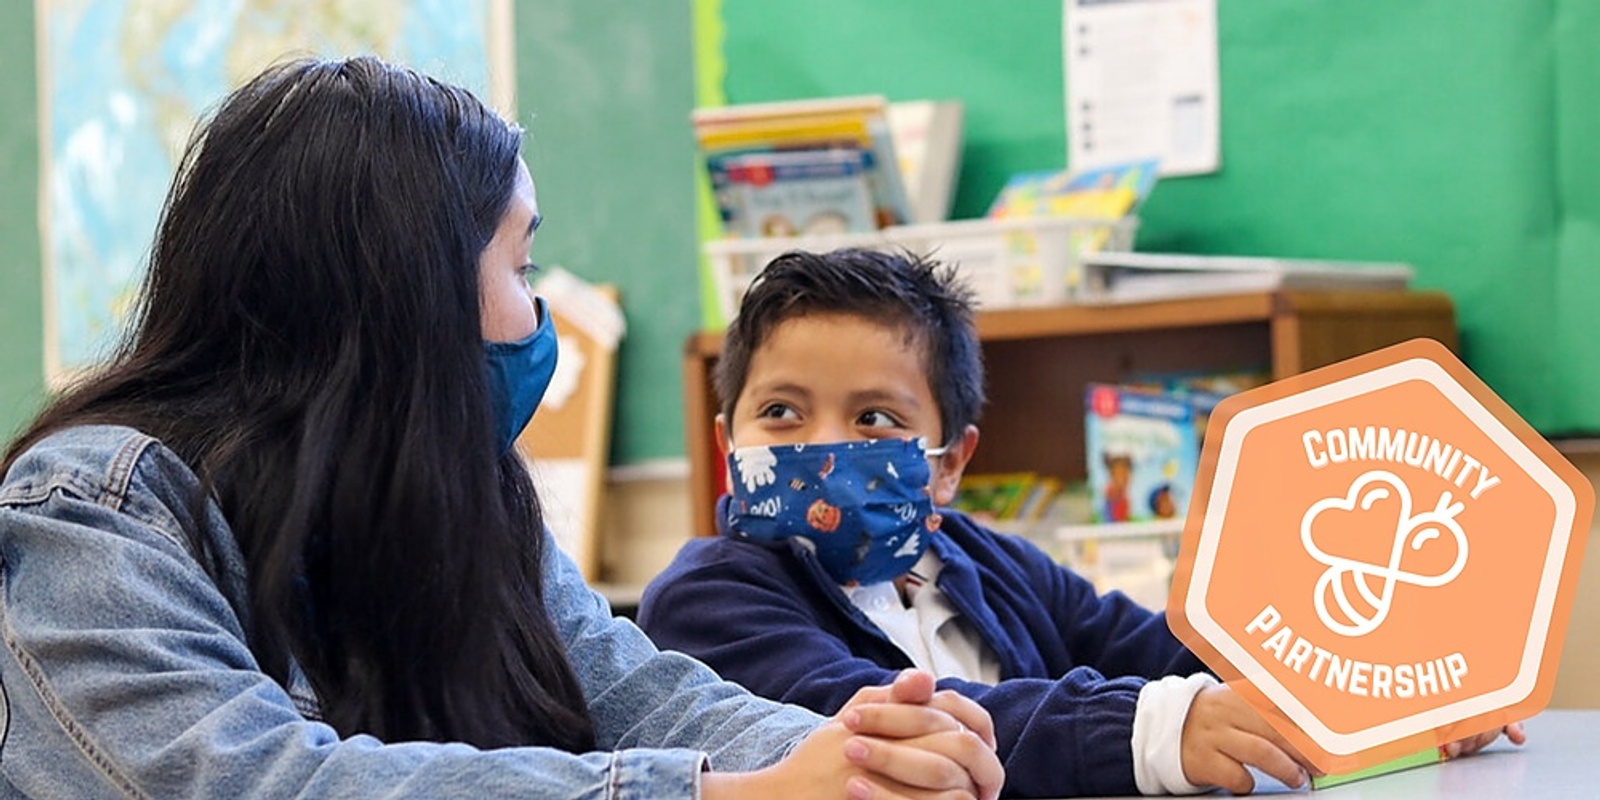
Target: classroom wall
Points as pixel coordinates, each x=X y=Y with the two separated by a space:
x=604 y=89
x=1447 y=133
x=607 y=82
x=1451 y=134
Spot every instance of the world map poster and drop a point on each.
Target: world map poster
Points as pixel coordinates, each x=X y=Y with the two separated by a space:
x=123 y=83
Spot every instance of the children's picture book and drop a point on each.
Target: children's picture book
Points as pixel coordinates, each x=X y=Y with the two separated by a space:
x=798 y=192
x=1110 y=191
x=1103 y=193
x=998 y=497
x=729 y=133
x=1143 y=450
x=1203 y=390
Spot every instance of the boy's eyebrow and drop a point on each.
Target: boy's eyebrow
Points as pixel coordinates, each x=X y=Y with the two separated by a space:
x=884 y=396
x=533 y=225
x=782 y=387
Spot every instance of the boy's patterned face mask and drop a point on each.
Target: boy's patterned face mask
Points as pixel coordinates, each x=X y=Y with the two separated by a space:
x=862 y=506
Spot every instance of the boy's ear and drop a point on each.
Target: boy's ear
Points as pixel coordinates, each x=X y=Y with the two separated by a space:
x=948 y=467
x=721 y=427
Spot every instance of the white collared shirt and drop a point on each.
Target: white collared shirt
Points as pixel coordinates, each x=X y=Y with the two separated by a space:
x=930 y=632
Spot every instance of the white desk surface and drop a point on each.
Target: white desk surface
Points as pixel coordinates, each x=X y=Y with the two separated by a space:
x=1558 y=762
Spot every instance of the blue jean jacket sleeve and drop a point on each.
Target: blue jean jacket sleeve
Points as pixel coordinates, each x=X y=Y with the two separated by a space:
x=642 y=697
x=125 y=671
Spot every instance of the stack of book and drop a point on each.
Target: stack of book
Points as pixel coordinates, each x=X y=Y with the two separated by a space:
x=1006 y=497
x=802 y=167
x=1107 y=193
x=1142 y=277
x=1111 y=191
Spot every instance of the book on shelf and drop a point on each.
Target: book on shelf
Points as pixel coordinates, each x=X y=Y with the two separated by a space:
x=927 y=140
x=808 y=137
x=1137 y=277
x=799 y=192
x=1143 y=438
x=1143 y=450
x=1006 y=497
x=1109 y=193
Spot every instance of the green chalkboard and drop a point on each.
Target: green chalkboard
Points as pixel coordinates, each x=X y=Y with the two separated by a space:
x=604 y=88
x=1451 y=134
x=1576 y=309
x=21 y=291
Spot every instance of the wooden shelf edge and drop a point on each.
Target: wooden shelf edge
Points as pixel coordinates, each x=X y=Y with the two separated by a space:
x=1372 y=302
x=1023 y=323
x=1080 y=318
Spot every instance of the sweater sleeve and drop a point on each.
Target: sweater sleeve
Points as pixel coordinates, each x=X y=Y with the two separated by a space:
x=1109 y=632
x=752 y=623
x=744 y=612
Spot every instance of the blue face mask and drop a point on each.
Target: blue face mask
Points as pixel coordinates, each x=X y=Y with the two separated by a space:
x=863 y=507
x=519 y=374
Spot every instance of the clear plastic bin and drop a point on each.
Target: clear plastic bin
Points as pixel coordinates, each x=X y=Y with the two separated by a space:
x=1007 y=262
x=1135 y=558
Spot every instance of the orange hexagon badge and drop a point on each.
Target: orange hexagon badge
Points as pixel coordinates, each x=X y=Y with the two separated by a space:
x=1380 y=556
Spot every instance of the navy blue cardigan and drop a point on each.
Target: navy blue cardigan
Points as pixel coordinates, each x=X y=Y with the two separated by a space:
x=1071 y=661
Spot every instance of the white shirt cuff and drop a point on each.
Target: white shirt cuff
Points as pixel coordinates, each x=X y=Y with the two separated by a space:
x=1158 y=733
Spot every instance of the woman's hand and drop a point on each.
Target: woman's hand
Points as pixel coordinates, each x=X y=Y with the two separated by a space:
x=915 y=687
x=899 y=741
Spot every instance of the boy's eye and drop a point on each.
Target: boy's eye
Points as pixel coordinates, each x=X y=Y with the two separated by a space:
x=776 y=411
x=528 y=271
x=877 y=419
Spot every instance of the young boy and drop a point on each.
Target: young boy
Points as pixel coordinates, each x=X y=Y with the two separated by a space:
x=850 y=384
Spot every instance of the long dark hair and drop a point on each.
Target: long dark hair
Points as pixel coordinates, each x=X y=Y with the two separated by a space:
x=308 y=339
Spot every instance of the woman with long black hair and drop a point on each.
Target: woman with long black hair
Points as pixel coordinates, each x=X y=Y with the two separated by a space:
x=282 y=545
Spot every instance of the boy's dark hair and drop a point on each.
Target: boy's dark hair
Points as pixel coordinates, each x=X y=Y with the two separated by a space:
x=920 y=296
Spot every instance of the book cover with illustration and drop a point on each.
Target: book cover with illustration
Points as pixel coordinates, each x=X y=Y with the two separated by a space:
x=1143 y=449
x=1203 y=389
x=800 y=192
x=1110 y=191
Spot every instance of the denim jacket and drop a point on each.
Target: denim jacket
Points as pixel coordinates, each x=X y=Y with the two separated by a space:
x=126 y=673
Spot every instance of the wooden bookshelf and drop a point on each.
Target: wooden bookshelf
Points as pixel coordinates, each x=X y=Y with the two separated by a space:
x=1038 y=360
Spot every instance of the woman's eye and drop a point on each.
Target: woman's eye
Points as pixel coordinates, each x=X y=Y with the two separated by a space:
x=877 y=419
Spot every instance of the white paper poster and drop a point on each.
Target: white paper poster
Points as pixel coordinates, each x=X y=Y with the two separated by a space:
x=1141 y=79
